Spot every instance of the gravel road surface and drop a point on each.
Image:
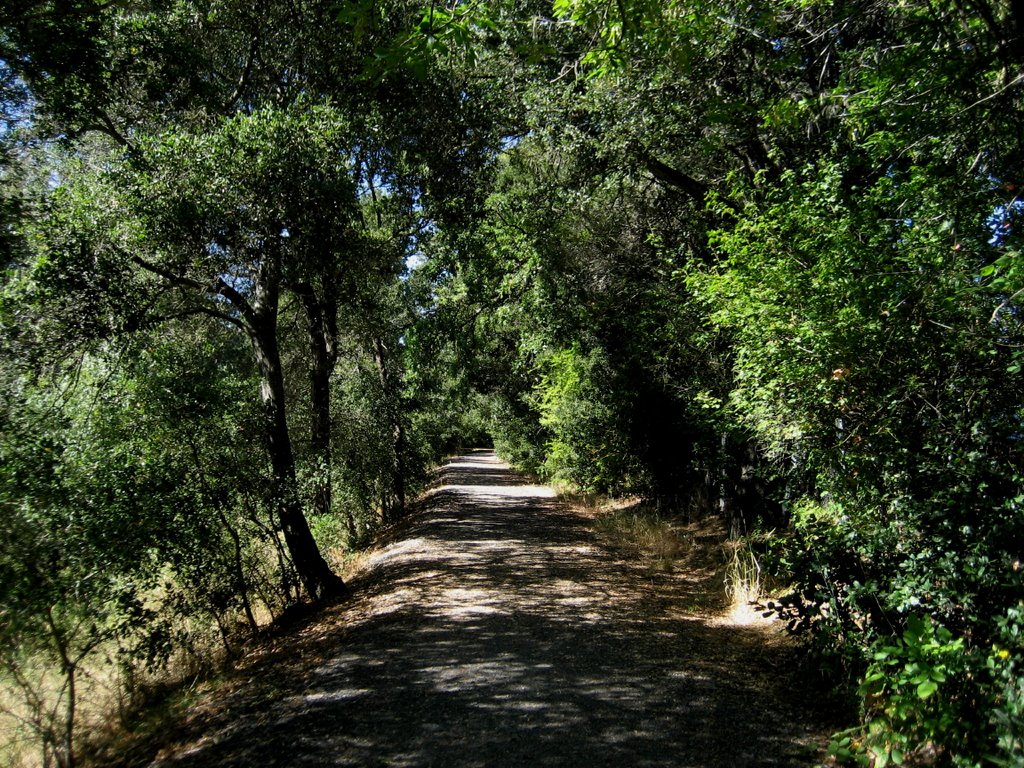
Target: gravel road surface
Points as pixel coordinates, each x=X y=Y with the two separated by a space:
x=496 y=630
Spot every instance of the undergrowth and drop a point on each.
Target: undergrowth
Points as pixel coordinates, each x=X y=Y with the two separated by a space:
x=144 y=710
x=657 y=540
x=732 y=568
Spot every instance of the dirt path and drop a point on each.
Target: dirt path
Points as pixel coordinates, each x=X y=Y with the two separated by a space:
x=496 y=630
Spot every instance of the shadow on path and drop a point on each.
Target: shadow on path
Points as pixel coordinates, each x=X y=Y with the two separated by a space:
x=497 y=631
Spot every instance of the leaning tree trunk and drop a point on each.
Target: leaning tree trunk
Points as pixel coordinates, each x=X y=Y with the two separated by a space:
x=257 y=317
x=319 y=581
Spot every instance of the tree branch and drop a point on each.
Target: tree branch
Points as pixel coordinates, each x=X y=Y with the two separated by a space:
x=197 y=310
x=243 y=79
x=676 y=179
x=216 y=288
x=1006 y=302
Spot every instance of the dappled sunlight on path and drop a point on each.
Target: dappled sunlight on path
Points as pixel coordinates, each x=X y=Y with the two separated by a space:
x=496 y=630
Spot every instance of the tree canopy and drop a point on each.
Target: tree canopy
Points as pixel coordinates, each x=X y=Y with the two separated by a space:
x=758 y=260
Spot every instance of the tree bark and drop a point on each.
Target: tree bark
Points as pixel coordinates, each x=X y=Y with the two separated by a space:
x=258 y=318
x=392 y=396
x=65 y=749
x=321 y=315
x=698 y=190
x=238 y=563
x=317 y=578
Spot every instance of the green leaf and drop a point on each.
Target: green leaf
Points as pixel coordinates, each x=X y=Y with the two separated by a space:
x=926 y=689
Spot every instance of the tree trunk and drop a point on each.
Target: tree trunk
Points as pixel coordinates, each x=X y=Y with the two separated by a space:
x=238 y=567
x=316 y=576
x=258 y=318
x=392 y=399
x=64 y=742
x=238 y=563
x=321 y=316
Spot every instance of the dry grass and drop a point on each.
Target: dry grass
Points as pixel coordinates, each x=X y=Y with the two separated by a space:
x=18 y=747
x=659 y=542
x=33 y=702
x=729 y=569
x=112 y=699
x=663 y=543
x=156 y=706
x=744 y=579
x=348 y=563
x=161 y=702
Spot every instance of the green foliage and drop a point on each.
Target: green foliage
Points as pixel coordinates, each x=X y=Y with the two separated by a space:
x=922 y=691
x=195 y=210
x=364 y=469
x=585 y=450
x=754 y=259
x=133 y=519
x=860 y=299
x=1006 y=706
x=863 y=348
x=264 y=177
x=907 y=689
x=441 y=31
